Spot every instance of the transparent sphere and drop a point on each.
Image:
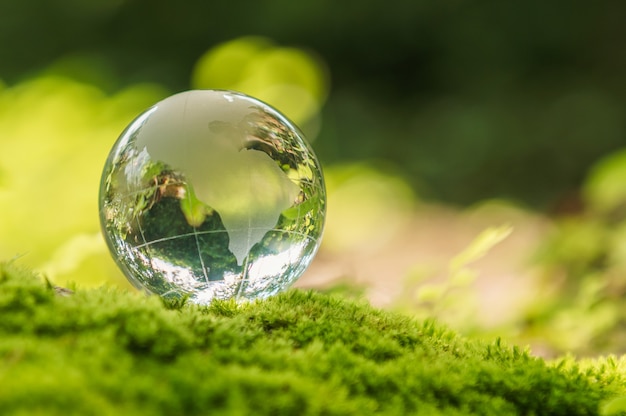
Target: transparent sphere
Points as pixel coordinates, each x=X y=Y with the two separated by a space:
x=212 y=194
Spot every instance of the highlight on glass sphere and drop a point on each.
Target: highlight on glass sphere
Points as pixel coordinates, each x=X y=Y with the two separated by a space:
x=212 y=194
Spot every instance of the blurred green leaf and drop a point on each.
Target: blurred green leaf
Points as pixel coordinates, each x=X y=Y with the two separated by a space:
x=289 y=79
x=480 y=246
x=605 y=189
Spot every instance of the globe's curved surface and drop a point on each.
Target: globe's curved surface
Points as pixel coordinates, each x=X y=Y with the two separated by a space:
x=212 y=195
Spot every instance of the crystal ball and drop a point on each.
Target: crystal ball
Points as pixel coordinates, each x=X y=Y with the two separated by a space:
x=212 y=195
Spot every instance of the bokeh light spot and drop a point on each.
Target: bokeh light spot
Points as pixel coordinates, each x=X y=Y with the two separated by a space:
x=290 y=79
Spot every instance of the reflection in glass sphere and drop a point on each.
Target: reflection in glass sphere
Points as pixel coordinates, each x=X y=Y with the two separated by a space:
x=212 y=194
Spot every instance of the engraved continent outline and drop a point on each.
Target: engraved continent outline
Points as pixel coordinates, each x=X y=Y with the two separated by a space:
x=202 y=133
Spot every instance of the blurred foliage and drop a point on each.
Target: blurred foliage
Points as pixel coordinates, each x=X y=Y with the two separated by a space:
x=451 y=300
x=516 y=98
x=56 y=134
x=579 y=307
x=584 y=264
x=286 y=78
x=463 y=100
x=366 y=206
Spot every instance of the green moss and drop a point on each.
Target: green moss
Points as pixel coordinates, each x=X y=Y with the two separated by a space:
x=301 y=353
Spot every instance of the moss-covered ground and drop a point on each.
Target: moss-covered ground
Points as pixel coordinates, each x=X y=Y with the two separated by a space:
x=101 y=352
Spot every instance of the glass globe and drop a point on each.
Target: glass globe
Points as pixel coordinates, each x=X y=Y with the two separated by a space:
x=212 y=195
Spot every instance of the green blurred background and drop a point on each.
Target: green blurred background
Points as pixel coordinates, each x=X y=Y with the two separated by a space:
x=473 y=149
